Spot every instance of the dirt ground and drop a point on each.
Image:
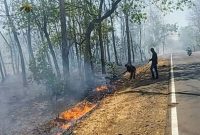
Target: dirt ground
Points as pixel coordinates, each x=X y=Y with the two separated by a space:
x=138 y=107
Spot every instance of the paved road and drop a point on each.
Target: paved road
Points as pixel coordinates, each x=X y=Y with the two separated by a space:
x=187 y=84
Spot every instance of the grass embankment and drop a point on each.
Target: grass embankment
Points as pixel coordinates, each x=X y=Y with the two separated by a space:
x=138 y=107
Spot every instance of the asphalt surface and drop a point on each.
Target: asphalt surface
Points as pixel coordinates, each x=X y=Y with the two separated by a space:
x=187 y=85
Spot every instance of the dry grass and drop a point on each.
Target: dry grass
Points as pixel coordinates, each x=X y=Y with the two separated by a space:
x=138 y=108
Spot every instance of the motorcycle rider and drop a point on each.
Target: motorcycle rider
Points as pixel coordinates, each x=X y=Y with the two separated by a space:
x=189 y=51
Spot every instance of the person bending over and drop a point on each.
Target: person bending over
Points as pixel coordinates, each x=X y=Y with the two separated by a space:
x=131 y=69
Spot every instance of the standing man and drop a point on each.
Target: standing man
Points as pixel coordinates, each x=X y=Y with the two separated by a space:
x=154 y=63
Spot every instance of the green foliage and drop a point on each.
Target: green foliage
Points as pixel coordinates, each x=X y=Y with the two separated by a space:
x=138 y=17
x=26 y=7
x=167 y=6
x=112 y=67
x=42 y=73
x=135 y=9
x=55 y=39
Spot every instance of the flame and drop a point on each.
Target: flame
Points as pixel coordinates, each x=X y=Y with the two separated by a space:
x=77 y=112
x=102 y=88
x=65 y=126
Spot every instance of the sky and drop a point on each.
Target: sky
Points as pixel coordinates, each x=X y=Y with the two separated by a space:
x=179 y=17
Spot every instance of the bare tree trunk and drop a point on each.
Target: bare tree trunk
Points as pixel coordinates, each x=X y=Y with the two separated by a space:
x=18 y=43
x=97 y=51
x=164 y=45
x=128 y=38
x=76 y=47
x=13 y=47
x=3 y=65
x=30 y=50
x=108 y=49
x=88 y=64
x=141 y=57
x=1 y=70
x=11 y=52
x=132 y=48
x=113 y=40
x=103 y=64
x=18 y=63
x=51 y=47
x=65 y=46
x=48 y=58
x=124 y=47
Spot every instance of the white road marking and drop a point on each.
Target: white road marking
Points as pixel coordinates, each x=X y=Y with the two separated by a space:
x=174 y=120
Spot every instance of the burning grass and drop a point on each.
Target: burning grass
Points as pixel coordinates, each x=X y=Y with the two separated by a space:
x=77 y=111
x=67 y=119
x=102 y=88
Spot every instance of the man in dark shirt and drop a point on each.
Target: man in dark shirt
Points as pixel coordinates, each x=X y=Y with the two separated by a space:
x=154 y=60
x=131 y=69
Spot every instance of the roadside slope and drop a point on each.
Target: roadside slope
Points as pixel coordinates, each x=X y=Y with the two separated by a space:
x=138 y=107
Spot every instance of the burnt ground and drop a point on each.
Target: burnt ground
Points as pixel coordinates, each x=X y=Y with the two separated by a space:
x=138 y=107
x=24 y=108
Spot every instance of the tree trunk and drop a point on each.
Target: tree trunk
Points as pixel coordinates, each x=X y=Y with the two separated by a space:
x=123 y=44
x=18 y=43
x=128 y=38
x=108 y=48
x=76 y=47
x=141 y=43
x=164 y=45
x=30 y=50
x=48 y=59
x=132 y=48
x=1 y=70
x=18 y=63
x=88 y=59
x=91 y=26
x=113 y=40
x=3 y=65
x=51 y=47
x=11 y=52
x=65 y=47
x=103 y=64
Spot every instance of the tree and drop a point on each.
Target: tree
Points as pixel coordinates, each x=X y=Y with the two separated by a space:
x=113 y=41
x=10 y=21
x=64 y=46
x=90 y=28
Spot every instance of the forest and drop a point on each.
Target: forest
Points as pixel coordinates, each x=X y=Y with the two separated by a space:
x=50 y=41
x=70 y=46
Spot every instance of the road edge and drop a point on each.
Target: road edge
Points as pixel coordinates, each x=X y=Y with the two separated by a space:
x=173 y=109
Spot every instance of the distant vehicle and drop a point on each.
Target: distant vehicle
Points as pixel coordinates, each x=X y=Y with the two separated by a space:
x=189 y=51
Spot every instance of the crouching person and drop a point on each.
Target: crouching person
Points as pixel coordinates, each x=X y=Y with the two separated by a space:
x=131 y=69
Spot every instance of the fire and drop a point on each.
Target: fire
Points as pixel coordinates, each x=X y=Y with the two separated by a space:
x=66 y=126
x=102 y=88
x=77 y=112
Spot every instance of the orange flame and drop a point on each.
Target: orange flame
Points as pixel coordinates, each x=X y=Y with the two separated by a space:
x=102 y=88
x=66 y=126
x=78 y=111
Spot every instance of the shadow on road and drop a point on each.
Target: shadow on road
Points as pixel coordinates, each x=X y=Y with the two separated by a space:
x=184 y=72
x=188 y=93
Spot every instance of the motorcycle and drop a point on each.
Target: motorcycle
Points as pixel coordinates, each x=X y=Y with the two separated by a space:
x=189 y=52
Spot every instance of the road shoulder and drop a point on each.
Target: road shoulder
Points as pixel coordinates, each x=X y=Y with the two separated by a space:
x=139 y=107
